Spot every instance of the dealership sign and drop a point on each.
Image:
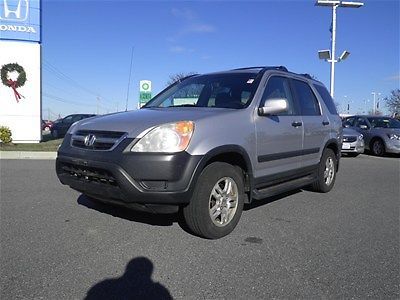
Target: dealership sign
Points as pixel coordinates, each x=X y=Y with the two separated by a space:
x=20 y=20
x=20 y=92
x=144 y=92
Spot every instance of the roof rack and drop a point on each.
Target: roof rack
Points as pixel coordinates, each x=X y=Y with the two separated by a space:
x=264 y=68
x=306 y=75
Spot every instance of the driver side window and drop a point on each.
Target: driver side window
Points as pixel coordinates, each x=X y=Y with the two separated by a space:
x=361 y=122
x=279 y=88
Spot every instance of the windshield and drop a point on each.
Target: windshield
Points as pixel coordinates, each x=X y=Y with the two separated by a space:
x=383 y=122
x=232 y=90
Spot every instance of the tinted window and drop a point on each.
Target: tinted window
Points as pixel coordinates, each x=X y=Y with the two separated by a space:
x=349 y=121
x=360 y=121
x=326 y=97
x=279 y=88
x=68 y=119
x=382 y=122
x=308 y=102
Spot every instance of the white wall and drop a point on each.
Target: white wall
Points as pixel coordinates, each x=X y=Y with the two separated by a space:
x=23 y=118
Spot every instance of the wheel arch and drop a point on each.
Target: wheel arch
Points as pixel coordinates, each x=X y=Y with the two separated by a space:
x=235 y=155
x=336 y=148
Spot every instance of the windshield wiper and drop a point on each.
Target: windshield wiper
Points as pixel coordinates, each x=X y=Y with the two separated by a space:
x=183 y=105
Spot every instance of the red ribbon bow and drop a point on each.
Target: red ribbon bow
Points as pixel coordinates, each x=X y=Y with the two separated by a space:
x=13 y=84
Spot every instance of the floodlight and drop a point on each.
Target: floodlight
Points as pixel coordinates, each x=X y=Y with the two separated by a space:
x=324 y=54
x=351 y=4
x=344 y=55
x=326 y=3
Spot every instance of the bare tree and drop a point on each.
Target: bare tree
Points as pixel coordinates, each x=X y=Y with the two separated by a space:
x=178 y=76
x=393 y=101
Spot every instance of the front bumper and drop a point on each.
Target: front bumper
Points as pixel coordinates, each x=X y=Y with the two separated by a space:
x=393 y=146
x=354 y=147
x=123 y=176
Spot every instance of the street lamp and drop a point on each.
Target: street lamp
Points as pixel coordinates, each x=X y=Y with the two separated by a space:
x=323 y=54
x=375 y=93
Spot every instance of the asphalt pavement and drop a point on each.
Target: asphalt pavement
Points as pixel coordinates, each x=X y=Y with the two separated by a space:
x=57 y=244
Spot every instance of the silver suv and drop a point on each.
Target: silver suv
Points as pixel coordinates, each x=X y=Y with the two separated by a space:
x=208 y=144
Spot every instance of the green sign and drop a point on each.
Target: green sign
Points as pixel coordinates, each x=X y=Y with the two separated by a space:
x=144 y=97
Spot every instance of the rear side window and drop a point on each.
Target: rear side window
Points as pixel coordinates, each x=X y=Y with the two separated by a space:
x=308 y=103
x=326 y=97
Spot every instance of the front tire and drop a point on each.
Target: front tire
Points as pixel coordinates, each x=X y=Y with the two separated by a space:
x=326 y=172
x=217 y=202
x=378 y=148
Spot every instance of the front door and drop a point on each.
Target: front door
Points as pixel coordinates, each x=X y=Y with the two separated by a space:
x=278 y=137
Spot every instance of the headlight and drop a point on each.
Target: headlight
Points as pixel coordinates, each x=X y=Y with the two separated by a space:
x=169 y=138
x=394 y=136
x=360 y=137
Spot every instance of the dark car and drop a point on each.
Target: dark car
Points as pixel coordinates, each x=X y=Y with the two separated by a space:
x=61 y=126
x=381 y=134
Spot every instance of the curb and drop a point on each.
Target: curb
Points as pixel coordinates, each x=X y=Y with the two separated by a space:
x=27 y=155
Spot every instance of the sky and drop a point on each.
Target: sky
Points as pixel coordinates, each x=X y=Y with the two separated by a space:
x=87 y=46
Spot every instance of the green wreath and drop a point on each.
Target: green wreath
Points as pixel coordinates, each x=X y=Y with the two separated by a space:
x=5 y=69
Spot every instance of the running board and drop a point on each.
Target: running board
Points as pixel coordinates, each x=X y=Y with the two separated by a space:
x=274 y=190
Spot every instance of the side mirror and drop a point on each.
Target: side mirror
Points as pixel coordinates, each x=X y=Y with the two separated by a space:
x=362 y=126
x=273 y=107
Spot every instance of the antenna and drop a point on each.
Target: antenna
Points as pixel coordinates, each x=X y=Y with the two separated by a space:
x=129 y=81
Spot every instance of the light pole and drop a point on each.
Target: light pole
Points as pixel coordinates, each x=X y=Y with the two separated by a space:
x=375 y=93
x=330 y=56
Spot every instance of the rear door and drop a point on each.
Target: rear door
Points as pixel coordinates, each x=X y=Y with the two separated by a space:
x=278 y=137
x=316 y=126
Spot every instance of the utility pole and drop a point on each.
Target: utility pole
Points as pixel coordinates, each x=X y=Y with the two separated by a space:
x=129 y=81
x=98 y=104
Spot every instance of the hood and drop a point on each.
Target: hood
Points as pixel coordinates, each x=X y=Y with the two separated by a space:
x=350 y=132
x=136 y=121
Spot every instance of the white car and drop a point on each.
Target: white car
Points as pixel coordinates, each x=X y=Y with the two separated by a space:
x=353 y=142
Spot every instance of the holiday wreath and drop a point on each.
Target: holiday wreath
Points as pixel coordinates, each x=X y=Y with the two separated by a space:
x=5 y=69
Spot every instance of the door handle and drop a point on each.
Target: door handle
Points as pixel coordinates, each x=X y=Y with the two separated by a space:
x=325 y=123
x=297 y=124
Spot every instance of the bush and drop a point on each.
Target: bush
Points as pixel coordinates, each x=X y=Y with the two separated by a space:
x=5 y=135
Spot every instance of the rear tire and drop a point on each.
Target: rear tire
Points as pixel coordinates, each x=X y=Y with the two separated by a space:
x=377 y=147
x=217 y=201
x=326 y=172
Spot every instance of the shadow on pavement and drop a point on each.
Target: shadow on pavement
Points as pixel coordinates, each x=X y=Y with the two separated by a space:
x=129 y=214
x=265 y=201
x=135 y=283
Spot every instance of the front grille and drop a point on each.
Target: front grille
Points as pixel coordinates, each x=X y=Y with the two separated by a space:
x=89 y=174
x=101 y=140
x=349 y=139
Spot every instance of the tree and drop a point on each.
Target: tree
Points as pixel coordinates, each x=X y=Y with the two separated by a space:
x=178 y=76
x=393 y=101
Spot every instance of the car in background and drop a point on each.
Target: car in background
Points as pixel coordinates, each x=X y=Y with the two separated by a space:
x=61 y=126
x=381 y=134
x=353 y=142
x=46 y=125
